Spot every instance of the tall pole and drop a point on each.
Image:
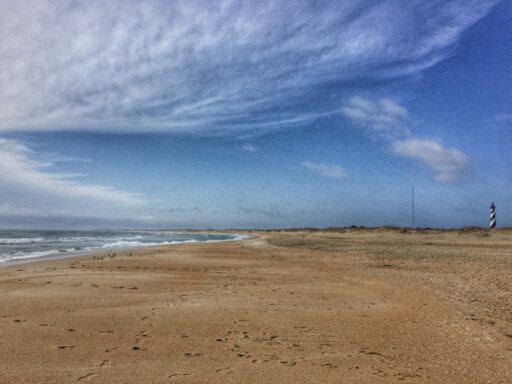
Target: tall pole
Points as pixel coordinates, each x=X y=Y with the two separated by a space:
x=413 y=207
x=492 y=216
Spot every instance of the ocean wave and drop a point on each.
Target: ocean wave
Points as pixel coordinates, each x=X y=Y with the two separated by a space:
x=72 y=239
x=22 y=240
x=138 y=237
x=29 y=255
x=80 y=248
x=242 y=237
x=127 y=244
x=50 y=240
x=34 y=240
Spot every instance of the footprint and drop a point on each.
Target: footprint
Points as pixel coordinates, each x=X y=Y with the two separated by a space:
x=87 y=376
x=105 y=363
x=224 y=370
x=177 y=375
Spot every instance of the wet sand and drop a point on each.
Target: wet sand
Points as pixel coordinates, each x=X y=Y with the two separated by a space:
x=350 y=306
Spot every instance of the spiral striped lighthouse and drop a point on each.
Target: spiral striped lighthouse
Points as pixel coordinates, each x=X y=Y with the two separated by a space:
x=492 y=216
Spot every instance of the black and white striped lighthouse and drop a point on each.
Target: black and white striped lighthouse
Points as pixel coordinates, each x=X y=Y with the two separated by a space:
x=492 y=216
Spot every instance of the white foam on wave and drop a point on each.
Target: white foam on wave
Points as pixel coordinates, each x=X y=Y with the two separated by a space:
x=30 y=255
x=37 y=254
x=242 y=237
x=34 y=240
x=138 y=237
x=22 y=240
x=72 y=239
x=127 y=244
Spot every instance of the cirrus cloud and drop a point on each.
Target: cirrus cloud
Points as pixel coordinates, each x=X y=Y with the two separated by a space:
x=505 y=119
x=326 y=170
x=196 y=65
x=385 y=118
x=19 y=167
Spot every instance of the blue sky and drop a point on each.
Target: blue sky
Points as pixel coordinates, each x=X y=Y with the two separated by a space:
x=197 y=114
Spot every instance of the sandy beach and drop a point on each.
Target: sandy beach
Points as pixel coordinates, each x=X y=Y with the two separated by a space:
x=341 y=306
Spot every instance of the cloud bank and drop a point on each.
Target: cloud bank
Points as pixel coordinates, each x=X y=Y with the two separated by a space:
x=19 y=168
x=193 y=65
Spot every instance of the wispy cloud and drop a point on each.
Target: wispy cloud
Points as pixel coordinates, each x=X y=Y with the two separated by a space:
x=18 y=166
x=389 y=121
x=11 y=210
x=504 y=119
x=192 y=65
x=326 y=170
x=260 y=212
x=249 y=148
x=449 y=164
x=384 y=118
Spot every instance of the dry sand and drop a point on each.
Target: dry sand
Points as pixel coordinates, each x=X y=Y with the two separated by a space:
x=354 y=306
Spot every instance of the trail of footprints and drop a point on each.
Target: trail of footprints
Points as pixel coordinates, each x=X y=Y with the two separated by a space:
x=240 y=342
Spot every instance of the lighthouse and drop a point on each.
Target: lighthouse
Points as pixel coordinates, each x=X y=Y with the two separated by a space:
x=492 y=216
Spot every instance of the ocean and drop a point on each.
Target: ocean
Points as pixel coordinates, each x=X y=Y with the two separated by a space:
x=18 y=245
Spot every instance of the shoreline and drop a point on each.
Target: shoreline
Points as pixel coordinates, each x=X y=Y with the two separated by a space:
x=97 y=251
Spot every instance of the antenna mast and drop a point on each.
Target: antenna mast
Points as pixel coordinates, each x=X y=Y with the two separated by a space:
x=413 y=207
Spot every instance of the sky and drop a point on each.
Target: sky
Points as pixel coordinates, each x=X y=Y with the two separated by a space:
x=255 y=114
